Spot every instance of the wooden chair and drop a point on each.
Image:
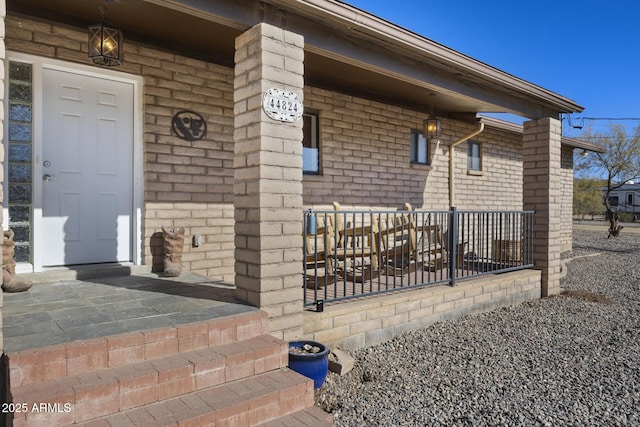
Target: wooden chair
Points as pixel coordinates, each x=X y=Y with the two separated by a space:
x=317 y=248
x=397 y=239
x=355 y=253
x=413 y=241
x=429 y=247
x=316 y=244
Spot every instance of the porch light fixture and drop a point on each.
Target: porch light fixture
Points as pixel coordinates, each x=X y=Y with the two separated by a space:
x=431 y=127
x=105 y=42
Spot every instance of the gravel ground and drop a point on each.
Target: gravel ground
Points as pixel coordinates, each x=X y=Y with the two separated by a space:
x=568 y=360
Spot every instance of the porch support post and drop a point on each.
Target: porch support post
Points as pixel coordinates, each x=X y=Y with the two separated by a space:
x=542 y=193
x=268 y=179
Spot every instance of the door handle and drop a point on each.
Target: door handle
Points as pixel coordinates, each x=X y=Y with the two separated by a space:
x=48 y=178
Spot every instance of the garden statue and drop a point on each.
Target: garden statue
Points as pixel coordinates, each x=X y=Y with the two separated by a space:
x=10 y=283
x=173 y=242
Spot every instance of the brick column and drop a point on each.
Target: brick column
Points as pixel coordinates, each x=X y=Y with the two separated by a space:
x=542 y=193
x=268 y=179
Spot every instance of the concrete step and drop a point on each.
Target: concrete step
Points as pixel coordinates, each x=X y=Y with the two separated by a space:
x=223 y=371
x=309 y=417
x=59 y=361
x=247 y=402
x=111 y=390
x=86 y=272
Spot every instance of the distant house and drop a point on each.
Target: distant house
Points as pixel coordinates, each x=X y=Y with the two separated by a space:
x=626 y=199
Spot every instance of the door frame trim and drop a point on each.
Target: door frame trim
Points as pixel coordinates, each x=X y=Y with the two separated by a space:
x=39 y=64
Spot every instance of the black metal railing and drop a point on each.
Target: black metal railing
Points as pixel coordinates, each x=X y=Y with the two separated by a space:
x=353 y=253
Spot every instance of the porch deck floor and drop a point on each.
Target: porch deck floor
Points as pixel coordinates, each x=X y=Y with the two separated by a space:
x=70 y=310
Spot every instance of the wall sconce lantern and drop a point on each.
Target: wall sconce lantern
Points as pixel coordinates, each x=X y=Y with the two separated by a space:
x=105 y=43
x=431 y=127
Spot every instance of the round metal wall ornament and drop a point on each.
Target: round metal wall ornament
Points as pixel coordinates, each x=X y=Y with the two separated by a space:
x=189 y=125
x=282 y=105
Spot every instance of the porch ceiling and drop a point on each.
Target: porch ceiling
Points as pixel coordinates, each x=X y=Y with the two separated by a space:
x=370 y=58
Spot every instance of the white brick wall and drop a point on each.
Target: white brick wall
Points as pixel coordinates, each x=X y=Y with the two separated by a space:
x=364 y=150
x=188 y=184
x=355 y=324
x=268 y=179
x=566 y=218
x=365 y=159
x=543 y=194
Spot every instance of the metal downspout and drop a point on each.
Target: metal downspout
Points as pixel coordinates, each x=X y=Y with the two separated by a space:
x=451 y=147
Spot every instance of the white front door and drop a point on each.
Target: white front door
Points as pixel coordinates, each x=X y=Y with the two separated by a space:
x=87 y=167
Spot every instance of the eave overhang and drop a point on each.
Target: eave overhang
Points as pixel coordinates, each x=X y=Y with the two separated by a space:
x=346 y=50
x=515 y=128
x=355 y=19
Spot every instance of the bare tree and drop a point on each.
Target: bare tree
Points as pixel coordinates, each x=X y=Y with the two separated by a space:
x=618 y=165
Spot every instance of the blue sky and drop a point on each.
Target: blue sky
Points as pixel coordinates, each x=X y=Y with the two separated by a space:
x=587 y=51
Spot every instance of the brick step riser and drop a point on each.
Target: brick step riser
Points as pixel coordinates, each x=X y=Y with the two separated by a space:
x=59 y=361
x=118 y=389
x=311 y=416
x=214 y=406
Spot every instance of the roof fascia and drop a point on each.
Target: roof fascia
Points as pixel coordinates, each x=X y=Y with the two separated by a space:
x=403 y=38
x=518 y=129
x=348 y=20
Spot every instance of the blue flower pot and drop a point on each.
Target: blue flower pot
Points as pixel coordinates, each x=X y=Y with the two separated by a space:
x=314 y=366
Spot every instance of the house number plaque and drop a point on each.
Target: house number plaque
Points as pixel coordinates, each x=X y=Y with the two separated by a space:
x=282 y=105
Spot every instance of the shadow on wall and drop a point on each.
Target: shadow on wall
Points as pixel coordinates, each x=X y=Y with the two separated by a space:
x=157 y=252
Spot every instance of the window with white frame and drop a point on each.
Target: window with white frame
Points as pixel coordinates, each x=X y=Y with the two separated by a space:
x=418 y=147
x=630 y=199
x=310 y=144
x=474 y=156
